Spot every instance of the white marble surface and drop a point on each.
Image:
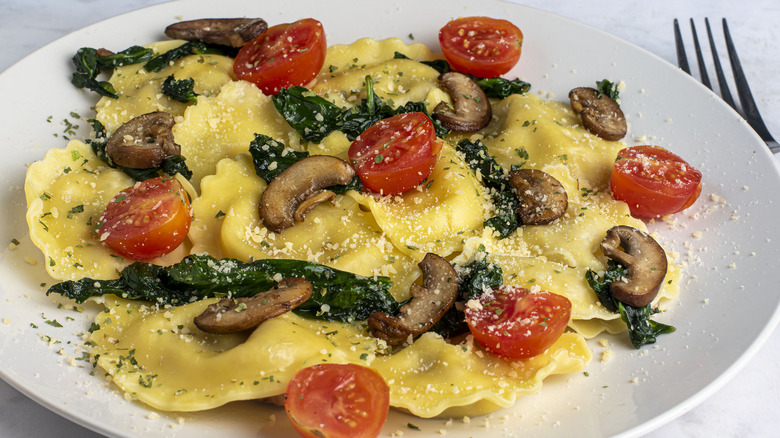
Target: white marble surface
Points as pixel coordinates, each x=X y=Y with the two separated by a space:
x=746 y=406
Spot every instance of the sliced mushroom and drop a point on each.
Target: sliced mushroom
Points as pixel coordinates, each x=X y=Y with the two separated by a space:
x=234 y=315
x=470 y=110
x=233 y=32
x=299 y=188
x=644 y=259
x=428 y=304
x=104 y=52
x=542 y=197
x=144 y=141
x=600 y=114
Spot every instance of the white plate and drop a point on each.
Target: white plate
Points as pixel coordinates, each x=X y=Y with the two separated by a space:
x=729 y=300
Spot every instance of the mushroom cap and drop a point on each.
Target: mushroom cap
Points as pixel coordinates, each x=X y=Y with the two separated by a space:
x=233 y=32
x=428 y=305
x=470 y=110
x=235 y=315
x=645 y=260
x=600 y=114
x=299 y=188
x=144 y=141
x=542 y=197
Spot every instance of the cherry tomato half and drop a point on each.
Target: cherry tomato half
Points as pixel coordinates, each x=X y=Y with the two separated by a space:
x=395 y=154
x=147 y=220
x=481 y=46
x=285 y=55
x=653 y=181
x=514 y=322
x=337 y=401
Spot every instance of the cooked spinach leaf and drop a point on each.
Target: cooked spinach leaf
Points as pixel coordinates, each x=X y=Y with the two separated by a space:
x=337 y=295
x=170 y=165
x=478 y=158
x=87 y=69
x=505 y=222
x=505 y=200
x=89 y=63
x=314 y=117
x=641 y=329
x=501 y=88
x=181 y=90
x=476 y=277
x=311 y=115
x=372 y=109
x=271 y=157
x=609 y=88
x=600 y=284
x=162 y=60
x=131 y=55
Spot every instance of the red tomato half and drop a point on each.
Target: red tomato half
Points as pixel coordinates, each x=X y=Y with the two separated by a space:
x=481 y=46
x=515 y=322
x=337 y=401
x=147 y=220
x=285 y=55
x=395 y=154
x=653 y=181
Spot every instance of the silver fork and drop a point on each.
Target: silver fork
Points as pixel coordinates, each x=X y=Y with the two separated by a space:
x=749 y=109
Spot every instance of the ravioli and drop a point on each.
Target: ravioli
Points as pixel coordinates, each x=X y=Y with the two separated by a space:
x=159 y=357
x=140 y=91
x=222 y=126
x=66 y=194
x=437 y=216
x=340 y=235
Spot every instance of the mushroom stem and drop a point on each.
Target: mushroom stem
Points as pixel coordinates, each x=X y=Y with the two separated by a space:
x=470 y=110
x=428 y=305
x=645 y=260
x=299 y=188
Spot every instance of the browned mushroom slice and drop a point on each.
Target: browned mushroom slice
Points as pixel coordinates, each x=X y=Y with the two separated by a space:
x=600 y=114
x=235 y=315
x=427 y=306
x=470 y=110
x=144 y=141
x=644 y=259
x=299 y=188
x=233 y=32
x=104 y=52
x=542 y=197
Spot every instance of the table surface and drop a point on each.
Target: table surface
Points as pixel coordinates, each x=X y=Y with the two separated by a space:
x=746 y=406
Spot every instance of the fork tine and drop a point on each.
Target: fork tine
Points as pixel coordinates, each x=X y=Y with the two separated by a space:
x=705 y=78
x=682 y=58
x=743 y=90
x=725 y=93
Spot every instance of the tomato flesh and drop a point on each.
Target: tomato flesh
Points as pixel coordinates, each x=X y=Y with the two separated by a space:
x=653 y=181
x=395 y=154
x=514 y=322
x=147 y=220
x=285 y=55
x=337 y=401
x=481 y=46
